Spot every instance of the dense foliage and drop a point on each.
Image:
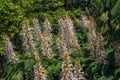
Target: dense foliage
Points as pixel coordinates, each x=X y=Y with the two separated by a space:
x=16 y=14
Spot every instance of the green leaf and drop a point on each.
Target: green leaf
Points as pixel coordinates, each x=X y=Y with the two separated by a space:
x=108 y=3
x=58 y=66
x=103 y=78
x=2 y=79
x=28 y=64
x=116 y=9
x=92 y=67
x=111 y=78
x=50 y=70
x=8 y=70
x=109 y=50
x=117 y=73
x=84 y=59
x=18 y=76
x=117 y=34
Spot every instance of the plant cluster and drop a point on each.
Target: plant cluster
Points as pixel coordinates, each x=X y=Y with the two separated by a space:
x=59 y=40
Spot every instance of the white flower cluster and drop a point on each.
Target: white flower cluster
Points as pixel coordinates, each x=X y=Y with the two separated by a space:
x=66 y=41
x=95 y=40
x=67 y=33
x=27 y=38
x=44 y=38
x=10 y=54
x=39 y=71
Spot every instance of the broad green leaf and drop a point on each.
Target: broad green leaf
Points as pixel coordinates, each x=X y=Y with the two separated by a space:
x=50 y=70
x=109 y=50
x=28 y=64
x=116 y=9
x=18 y=76
x=58 y=66
x=117 y=71
x=103 y=78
